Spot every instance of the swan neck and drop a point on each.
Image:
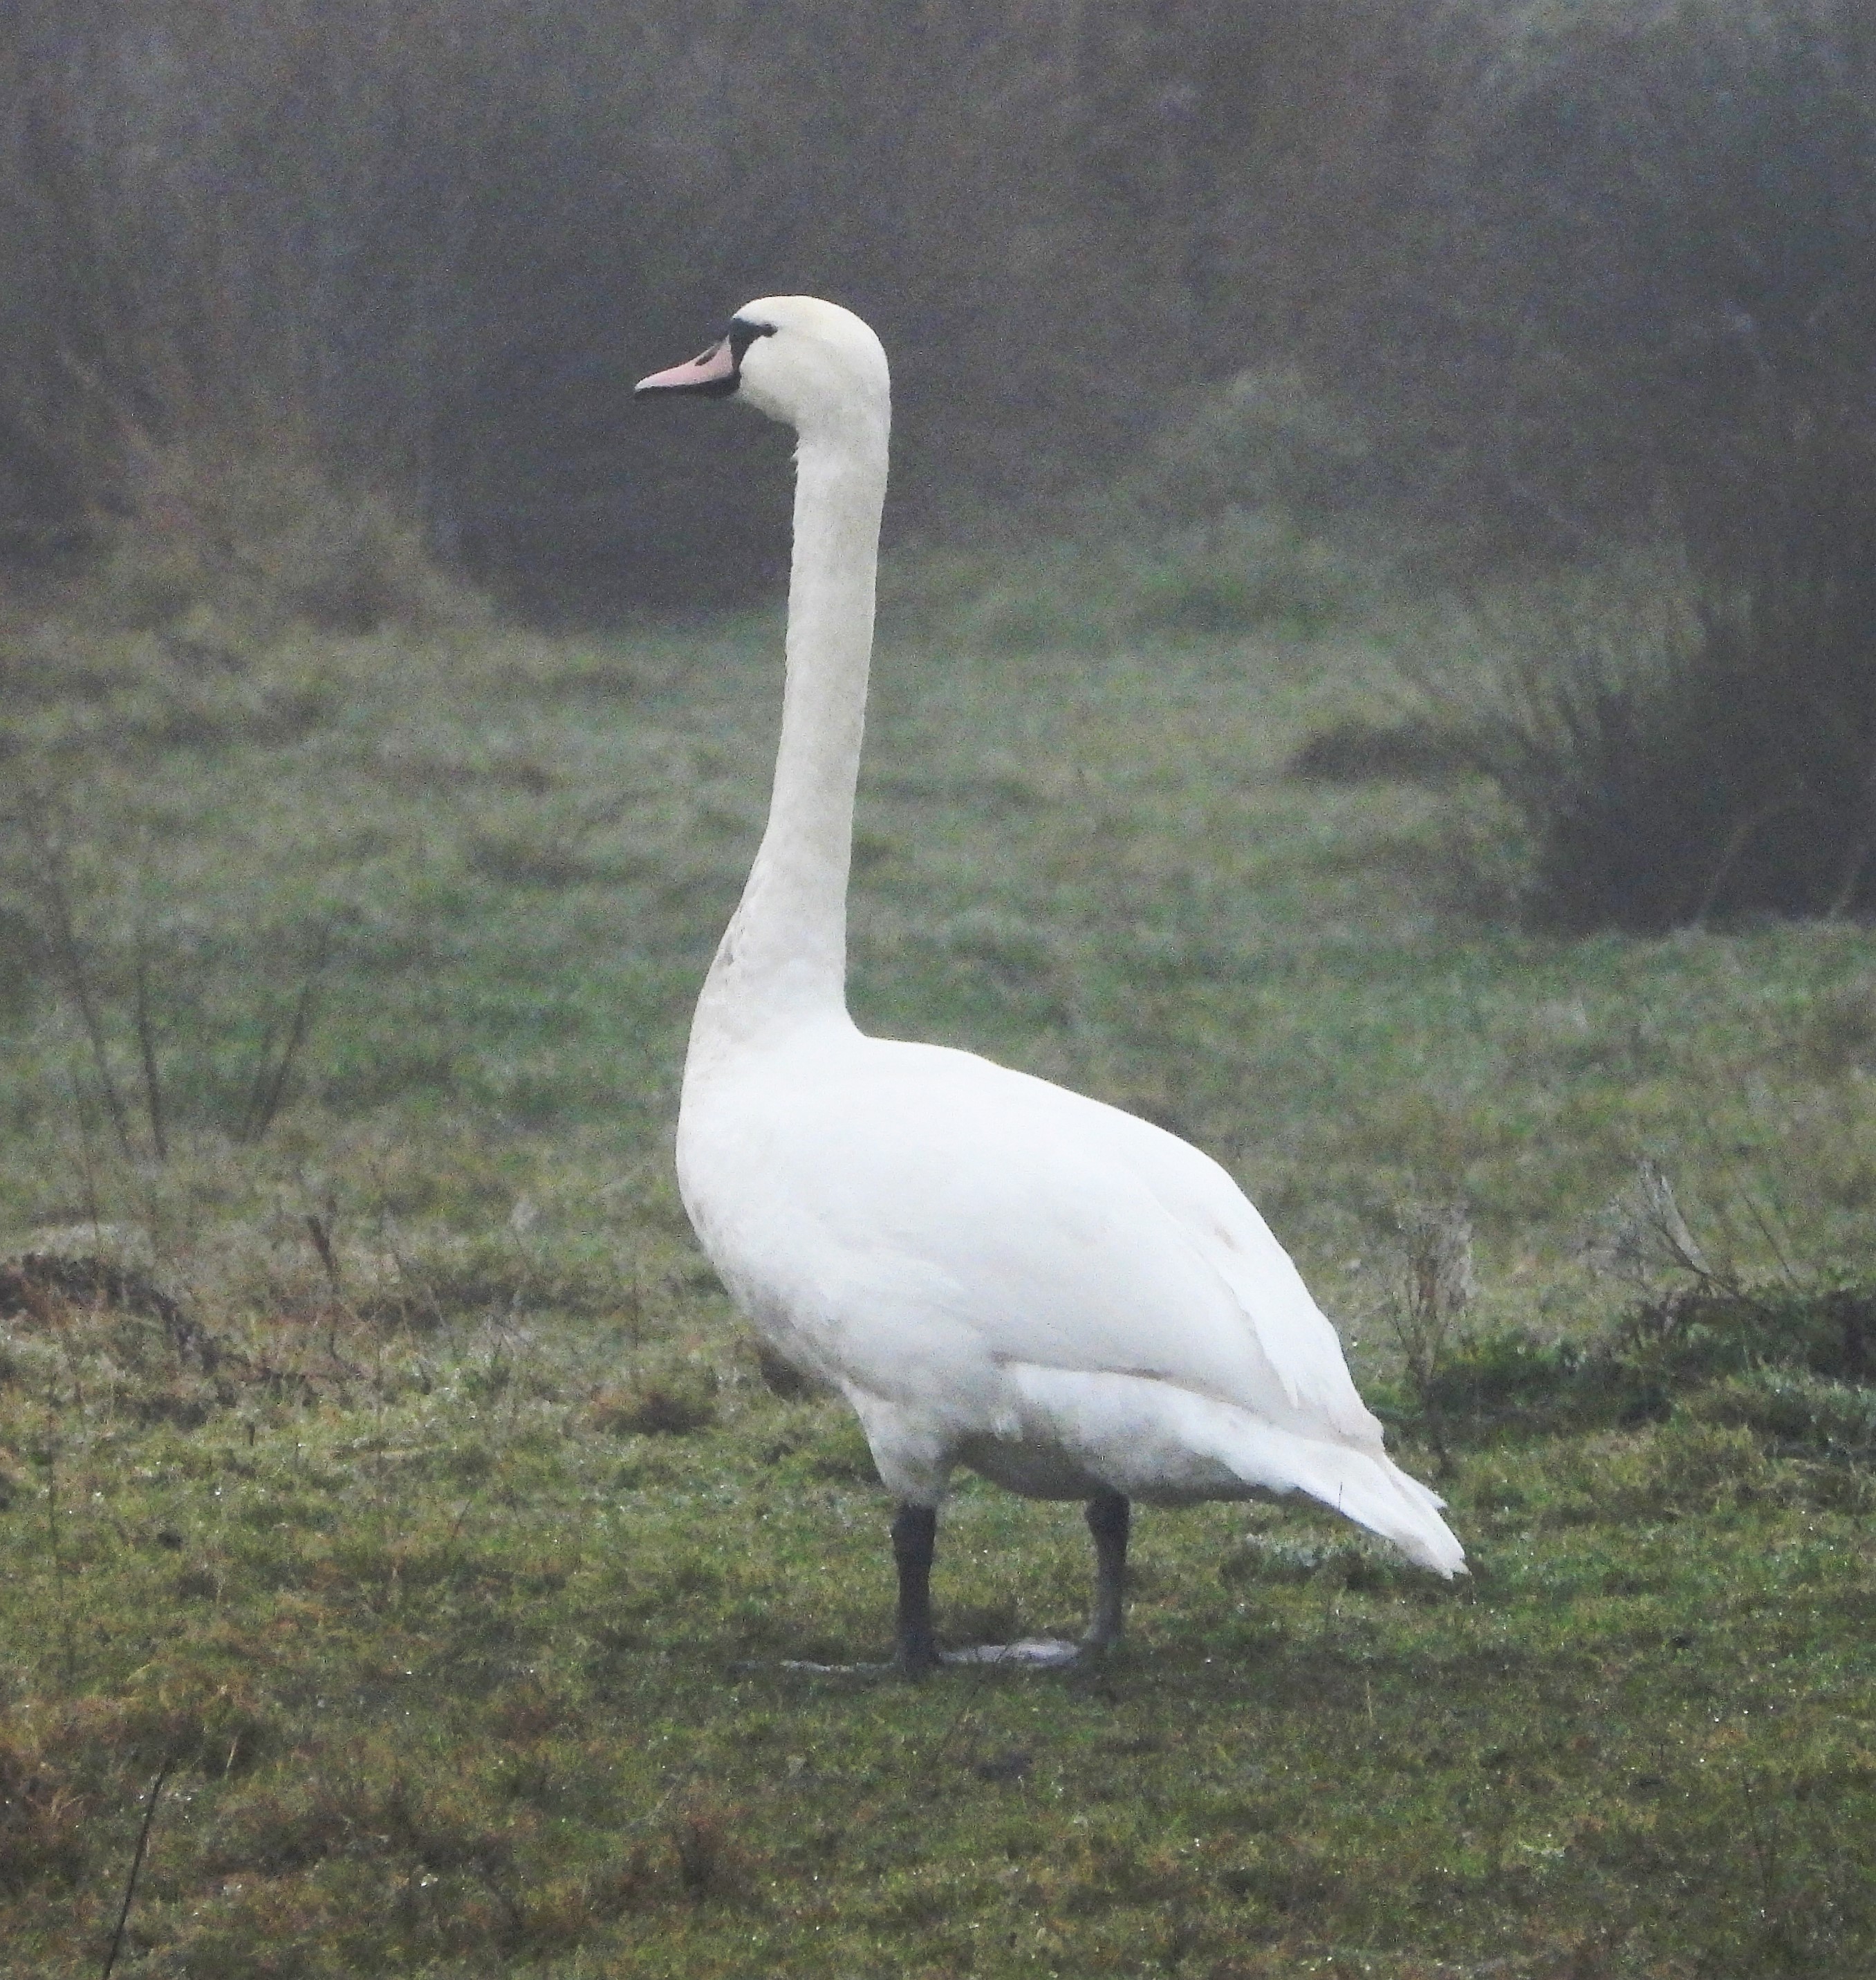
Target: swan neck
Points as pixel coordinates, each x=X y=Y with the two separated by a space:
x=784 y=957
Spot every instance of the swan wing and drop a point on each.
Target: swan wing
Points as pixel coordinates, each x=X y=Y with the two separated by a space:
x=926 y=1217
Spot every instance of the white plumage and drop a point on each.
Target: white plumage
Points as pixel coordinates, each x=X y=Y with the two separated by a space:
x=995 y=1272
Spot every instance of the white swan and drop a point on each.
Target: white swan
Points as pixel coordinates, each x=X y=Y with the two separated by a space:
x=995 y=1272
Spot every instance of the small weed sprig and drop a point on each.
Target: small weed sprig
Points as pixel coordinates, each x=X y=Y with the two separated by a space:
x=136 y=1869
x=1646 y=1241
x=267 y=1082
x=55 y=1549
x=279 y=1050
x=50 y=884
x=1430 y=1288
x=1644 y=1235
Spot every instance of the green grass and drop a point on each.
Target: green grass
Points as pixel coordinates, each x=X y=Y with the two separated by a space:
x=446 y=1536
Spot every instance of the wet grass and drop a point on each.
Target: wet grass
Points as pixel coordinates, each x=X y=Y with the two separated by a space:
x=399 y=1476
x=461 y=1668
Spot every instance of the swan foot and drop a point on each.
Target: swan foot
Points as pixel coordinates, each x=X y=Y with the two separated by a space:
x=886 y=1670
x=919 y=1659
x=1028 y=1653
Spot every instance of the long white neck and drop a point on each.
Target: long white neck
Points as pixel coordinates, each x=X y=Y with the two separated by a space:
x=783 y=958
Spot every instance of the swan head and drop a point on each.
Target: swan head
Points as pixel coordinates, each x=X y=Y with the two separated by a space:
x=810 y=364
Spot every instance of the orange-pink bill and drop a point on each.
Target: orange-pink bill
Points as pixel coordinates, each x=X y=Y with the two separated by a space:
x=715 y=367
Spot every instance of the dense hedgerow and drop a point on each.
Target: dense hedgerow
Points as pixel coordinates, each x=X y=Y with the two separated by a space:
x=1552 y=253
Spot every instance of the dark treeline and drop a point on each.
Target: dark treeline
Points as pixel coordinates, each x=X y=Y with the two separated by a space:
x=1568 y=261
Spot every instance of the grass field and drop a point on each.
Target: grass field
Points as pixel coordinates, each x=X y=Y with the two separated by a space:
x=384 y=1463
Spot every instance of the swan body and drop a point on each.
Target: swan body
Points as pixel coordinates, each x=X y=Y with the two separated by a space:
x=996 y=1272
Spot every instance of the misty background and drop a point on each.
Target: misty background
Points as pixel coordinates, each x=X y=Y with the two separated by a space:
x=1558 y=269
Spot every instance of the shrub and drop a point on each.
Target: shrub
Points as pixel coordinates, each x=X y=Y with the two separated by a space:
x=1797 y=1364
x=1697 y=1333
x=228 y=541
x=1683 y=740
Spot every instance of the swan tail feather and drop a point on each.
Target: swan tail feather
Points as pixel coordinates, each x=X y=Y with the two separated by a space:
x=1153 y=1442
x=1387 y=1502
x=1364 y=1487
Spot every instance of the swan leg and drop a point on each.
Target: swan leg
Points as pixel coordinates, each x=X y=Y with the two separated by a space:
x=915 y=1540
x=1109 y=1516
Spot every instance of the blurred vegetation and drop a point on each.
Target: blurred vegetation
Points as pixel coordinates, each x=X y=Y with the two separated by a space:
x=1561 y=258
x=328 y=313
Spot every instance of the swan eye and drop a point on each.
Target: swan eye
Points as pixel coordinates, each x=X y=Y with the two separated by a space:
x=742 y=333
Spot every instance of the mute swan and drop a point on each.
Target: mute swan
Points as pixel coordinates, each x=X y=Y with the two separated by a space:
x=995 y=1272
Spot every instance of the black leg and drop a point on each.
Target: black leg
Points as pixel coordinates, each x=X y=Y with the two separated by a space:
x=914 y=1538
x=1107 y=1521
